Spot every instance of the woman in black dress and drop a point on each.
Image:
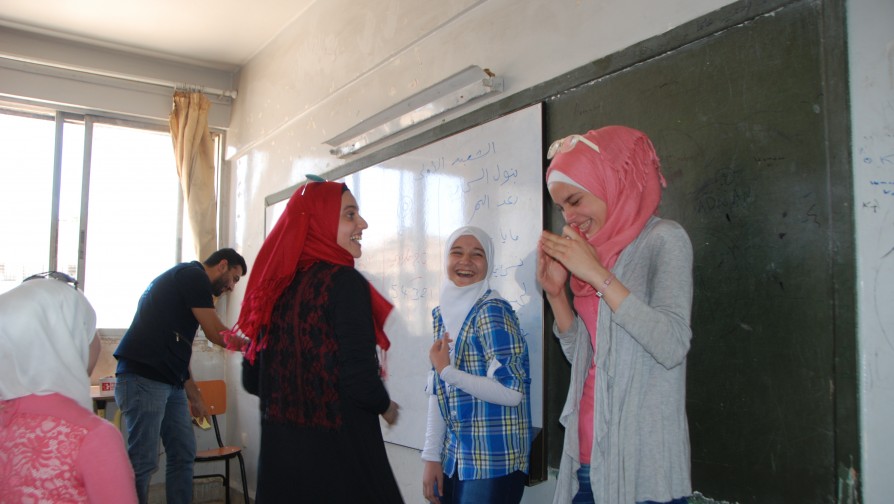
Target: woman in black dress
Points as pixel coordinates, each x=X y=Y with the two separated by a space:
x=314 y=323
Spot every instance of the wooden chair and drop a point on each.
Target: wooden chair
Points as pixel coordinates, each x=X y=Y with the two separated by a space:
x=214 y=393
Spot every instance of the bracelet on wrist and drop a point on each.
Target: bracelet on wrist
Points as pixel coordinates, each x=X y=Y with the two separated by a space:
x=605 y=285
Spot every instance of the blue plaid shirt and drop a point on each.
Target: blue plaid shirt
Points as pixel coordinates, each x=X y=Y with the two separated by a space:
x=486 y=440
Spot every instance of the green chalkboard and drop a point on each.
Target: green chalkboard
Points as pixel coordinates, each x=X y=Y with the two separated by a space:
x=749 y=127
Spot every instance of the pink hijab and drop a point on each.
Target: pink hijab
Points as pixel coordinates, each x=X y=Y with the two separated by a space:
x=626 y=175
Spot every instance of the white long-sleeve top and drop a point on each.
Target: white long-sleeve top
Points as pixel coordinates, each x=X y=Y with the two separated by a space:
x=484 y=388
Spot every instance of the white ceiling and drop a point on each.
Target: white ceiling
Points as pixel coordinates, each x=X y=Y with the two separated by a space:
x=217 y=33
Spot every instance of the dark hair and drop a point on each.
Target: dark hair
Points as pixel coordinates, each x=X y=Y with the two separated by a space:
x=55 y=275
x=231 y=256
x=314 y=178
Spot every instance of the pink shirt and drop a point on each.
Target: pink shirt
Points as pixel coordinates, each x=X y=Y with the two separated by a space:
x=586 y=419
x=54 y=450
x=588 y=308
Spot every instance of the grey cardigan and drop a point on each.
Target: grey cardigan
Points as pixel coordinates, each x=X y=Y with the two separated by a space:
x=641 y=435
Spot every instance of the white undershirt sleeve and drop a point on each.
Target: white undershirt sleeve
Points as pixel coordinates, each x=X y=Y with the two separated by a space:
x=435 y=430
x=481 y=387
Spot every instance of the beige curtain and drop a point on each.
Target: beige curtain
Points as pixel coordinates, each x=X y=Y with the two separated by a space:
x=194 y=150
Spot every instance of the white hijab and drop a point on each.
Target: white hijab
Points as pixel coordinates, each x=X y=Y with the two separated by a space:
x=456 y=302
x=46 y=328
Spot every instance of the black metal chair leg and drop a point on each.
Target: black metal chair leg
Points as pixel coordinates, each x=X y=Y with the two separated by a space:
x=244 y=480
x=227 y=481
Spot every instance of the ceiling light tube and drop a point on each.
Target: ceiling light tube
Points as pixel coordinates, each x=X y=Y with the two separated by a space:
x=456 y=90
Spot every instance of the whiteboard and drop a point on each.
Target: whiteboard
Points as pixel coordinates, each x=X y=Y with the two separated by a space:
x=490 y=176
x=871 y=57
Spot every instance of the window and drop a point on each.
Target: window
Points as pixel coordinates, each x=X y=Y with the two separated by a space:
x=116 y=232
x=26 y=182
x=133 y=213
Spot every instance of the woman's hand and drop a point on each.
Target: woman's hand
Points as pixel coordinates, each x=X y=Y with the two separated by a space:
x=432 y=479
x=550 y=273
x=440 y=353
x=576 y=254
x=390 y=415
x=573 y=252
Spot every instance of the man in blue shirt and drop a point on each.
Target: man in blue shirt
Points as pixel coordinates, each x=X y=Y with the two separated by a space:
x=155 y=391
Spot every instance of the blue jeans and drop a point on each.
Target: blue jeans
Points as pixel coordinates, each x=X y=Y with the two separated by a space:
x=585 y=492
x=153 y=409
x=500 y=490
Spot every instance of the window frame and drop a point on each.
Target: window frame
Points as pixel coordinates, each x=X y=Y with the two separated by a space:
x=88 y=121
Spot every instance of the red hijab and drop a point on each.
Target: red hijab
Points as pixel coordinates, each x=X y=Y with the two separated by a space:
x=626 y=175
x=306 y=232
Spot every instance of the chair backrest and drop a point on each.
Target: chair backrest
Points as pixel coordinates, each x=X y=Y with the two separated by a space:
x=214 y=393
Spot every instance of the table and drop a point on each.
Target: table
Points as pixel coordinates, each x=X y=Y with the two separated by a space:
x=100 y=399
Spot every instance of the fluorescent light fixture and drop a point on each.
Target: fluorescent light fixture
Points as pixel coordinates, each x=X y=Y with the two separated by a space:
x=460 y=88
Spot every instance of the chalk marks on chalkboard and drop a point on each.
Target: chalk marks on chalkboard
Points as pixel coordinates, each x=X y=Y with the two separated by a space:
x=881 y=160
x=811 y=216
x=877 y=191
x=412 y=291
x=886 y=186
x=501 y=270
x=430 y=167
x=507 y=235
x=491 y=148
x=874 y=160
x=409 y=258
x=871 y=205
x=883 y=279
x=723 y=192
x=499 y=177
